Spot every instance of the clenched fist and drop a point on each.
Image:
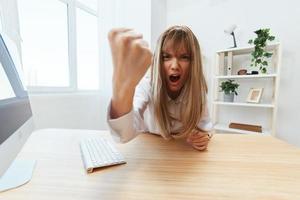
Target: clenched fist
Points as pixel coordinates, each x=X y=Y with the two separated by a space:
x=131 y=56
x=198 y=139
x=131 y=59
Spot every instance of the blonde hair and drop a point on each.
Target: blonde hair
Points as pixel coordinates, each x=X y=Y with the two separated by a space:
x=194 y=91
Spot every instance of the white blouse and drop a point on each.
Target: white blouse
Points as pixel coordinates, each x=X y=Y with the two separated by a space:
x=141 y=117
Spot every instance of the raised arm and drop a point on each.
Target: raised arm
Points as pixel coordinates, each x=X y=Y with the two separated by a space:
x=131 y=59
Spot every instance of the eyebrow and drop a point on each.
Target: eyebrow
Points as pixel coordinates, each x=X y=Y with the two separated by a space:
x=185 y=53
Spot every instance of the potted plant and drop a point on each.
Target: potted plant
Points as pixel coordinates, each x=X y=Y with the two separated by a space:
x=229 y=88
x=260 y=55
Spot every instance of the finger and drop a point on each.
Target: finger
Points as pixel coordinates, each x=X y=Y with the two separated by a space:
x=115 y=31
x=191 y=134
x=124 y=29
x=199 y=140
x=197 y=132
x=194 y=131
x=202 y=139
x=131 y=35
x=123 y=40
x=123 y=36
x=200 y=133
x=200 y=148
x=194 y=134
x=141 y=43
x=144 y=44
x=200 y=144
x=197 y=137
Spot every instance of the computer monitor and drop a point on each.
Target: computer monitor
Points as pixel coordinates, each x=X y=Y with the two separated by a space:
x=16 y=123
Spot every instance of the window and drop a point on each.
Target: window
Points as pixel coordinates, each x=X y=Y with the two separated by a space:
x=60 y=44
x=87 y=50
x=45 y=42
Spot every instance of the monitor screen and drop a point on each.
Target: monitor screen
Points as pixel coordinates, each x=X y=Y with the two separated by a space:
x=15 y=108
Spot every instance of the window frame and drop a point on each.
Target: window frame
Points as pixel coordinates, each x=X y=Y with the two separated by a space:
x=72 y=52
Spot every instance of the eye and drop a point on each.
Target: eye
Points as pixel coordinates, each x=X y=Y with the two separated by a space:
x=185 y=57
x=166 y=56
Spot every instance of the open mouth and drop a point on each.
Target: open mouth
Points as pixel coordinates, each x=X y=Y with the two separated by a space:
x=174 y=78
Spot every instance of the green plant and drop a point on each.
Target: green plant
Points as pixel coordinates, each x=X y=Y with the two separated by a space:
x=260 y=55
x=229 y=86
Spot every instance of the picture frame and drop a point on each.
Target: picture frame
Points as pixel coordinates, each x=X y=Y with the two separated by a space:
x=254 y=95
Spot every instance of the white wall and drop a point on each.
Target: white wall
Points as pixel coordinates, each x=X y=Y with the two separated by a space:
x=77 y=111
x=134 y=14
x=209 y=18
x=158 y=20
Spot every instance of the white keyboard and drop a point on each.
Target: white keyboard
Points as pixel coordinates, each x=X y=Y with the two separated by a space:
x=99 y=152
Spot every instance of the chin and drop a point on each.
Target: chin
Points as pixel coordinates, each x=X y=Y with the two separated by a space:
x=175 y=89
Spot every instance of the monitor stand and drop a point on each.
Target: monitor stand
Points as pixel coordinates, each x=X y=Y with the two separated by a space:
x=19 y=173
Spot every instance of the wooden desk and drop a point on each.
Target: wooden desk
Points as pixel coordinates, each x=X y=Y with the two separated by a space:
x=234 y=167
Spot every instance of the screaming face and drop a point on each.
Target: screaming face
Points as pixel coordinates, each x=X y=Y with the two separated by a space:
x=176 y=64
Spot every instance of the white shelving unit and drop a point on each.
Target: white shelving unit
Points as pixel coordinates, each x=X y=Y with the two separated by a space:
x=228 y=62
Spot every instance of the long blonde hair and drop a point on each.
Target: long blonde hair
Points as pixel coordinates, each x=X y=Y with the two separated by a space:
x=195 y=88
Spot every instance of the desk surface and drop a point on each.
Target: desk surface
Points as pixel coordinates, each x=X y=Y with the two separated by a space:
x=234 y=167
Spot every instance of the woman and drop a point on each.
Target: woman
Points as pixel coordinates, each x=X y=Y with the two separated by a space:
x=174 y=95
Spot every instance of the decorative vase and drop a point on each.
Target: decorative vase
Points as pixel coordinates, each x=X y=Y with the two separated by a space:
x=228 y=97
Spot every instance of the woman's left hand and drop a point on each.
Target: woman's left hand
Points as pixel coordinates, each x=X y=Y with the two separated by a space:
x=198 y=139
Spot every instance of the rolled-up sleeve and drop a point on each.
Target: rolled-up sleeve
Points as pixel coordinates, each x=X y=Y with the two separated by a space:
x=128 y=126
x=121 y=128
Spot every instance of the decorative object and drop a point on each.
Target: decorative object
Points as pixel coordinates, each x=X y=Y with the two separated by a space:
x=230 y=31
x=260 y=55
x=229 y=88
x=246 y=127
x=242 y=72
x=254 y=95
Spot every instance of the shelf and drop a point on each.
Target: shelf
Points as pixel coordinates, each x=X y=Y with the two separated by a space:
x=243 y=104
x=248 y=49
x=228 y=62
x=222 y=127
x=247 y=76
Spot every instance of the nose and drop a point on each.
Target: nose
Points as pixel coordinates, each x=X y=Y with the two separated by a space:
x=174 y=64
